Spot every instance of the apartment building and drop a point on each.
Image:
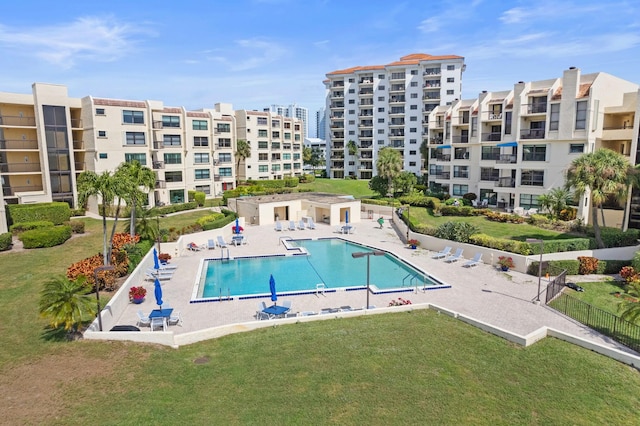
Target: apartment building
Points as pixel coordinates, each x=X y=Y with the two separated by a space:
x=510 y=147
x=47 y=139
x=276 y=145
x=371 y=107
x=293 y=111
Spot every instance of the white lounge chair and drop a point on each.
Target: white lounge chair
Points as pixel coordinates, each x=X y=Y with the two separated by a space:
x=443 y=253
x=473 y=262
x=455 y=257
x=211 y=244
x=222 y=242
x=311 y=224
x=292 y=225
x=301 y=225
x=151 y=276
x=278 y=226
x=193 y=247
x=143 y=320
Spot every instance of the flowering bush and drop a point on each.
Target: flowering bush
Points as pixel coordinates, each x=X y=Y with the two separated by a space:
x=400 y=302
x=629 y=274
x=588 y=265
x=506 y=262
x=137 y=292
x=413 y=242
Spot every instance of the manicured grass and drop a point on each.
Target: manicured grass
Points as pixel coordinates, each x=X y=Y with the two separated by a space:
x=405 y=368
x=600 y=294
x=357 y=188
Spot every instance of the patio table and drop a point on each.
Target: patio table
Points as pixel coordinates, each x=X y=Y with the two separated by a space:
x=275 y=310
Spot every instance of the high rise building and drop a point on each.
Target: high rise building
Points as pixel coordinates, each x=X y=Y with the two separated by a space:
x=293 y=111
x=321 y=124
x=376 y=106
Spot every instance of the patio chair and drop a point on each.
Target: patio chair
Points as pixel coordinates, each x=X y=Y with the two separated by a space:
x=474 y=261
x=287 y=304
x=301 y=225
x=211 y=244
x=485 y=203
x=455 y=257
x=151 y=276
x=443 y=253
x=175 y=319
x=292 y=225
x=519 y=211
x=278 y=226
x=158 y=322
x=311 y=224
x=143 y=320
x=221 y=242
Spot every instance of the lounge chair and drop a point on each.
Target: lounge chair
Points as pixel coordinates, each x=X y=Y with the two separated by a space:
x=143 y=320
x=311 y=224
x=454 y=257
x=167 y=267
x=301 y=225
x=292 y=225
x=151 y=276
x=221 y=242
x=211 y=244
x=278 y=226
x=474 y=261
x=443 y=253
x=193 y=247
x=160 y=272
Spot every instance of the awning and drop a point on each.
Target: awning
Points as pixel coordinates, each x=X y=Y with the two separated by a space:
x=506 y=144
x=443 y=146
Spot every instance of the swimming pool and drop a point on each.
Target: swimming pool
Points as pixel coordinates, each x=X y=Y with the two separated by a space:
x=328 y=261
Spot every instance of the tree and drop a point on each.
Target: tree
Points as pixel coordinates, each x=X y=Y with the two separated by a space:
x=243 y=151
x=306 y=155
x=66 y=302
x=317 y=160
x=352 y=147
x=555 y=201
x=630 y=308
x=600 y=173
x=379 y=185
x=389 y=165
x=138 y=180
x=404 y=182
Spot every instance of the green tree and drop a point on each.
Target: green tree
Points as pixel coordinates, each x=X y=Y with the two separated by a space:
x=630 y=309
x=306 y=155
x=389 y=165
x=352 y=147
x=138 y=180
x=243 y=151
x=379 y=185
x=317 y=160
x=601 y=173
x=555 y=201
x=67 y=303
x=404 y=182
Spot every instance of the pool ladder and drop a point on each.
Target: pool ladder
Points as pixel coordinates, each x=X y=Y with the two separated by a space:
x=414 y=280
x=228 y=295
x=222 y=258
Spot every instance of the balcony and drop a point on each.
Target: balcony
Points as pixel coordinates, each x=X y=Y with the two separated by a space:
x=338 y=84
x=460 y=139
x=366 y=102
x=365 y=92
x=617 y=133
x=160 y=184
x=396 y=133
x=491 y=137
x=536 y=108
x=157 y=165
x=337 y=95
x=532 y=134
x=366 y=145
x=217 y=178
x=158 y=145
x=18 y=144
x=365 y=81
x=78 y=145
x=10 y=191
x=20 y=167
x=436 y=141
x=461 y=174
x=396 y=144
x=435 y=96
x=505 y=182
x=76 y=123
x=432 y=71
x=493 y=116
x=397 y=99
x=335 y=105
x=506 y=159
x=442 y=157
x=441 y=175
x=366 y=123
x=10 y=120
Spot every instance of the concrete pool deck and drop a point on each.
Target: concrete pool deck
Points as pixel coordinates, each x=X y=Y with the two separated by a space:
x=484 y=293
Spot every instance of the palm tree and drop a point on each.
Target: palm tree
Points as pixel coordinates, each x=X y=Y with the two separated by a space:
x=139 y=180
x=65 y=302
x=555 y=200
x=630 y=308
x=600 y=173
x=243 y=150
x=389 y=165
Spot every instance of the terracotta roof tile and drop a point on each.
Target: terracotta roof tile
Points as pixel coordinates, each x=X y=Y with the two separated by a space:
x=197 y=114
x=583 y=91
x=412 y=59
x=120 y=103
x=172 y=110
x=557 y=95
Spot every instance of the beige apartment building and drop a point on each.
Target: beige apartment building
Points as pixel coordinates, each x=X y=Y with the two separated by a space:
x=512 y=146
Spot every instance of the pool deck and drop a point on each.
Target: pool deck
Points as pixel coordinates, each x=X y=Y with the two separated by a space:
x=501 y=299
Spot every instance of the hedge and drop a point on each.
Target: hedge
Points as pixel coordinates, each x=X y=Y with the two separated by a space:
x=381 y=202
x=45 y=237
x=555 y=267
x=556 y=246
x=420 y=201
x=172 y=208
x=512 y=246
x=615 y=237
x=56 y=212
x=6 y=241
x=77 y=226
x=17 y=228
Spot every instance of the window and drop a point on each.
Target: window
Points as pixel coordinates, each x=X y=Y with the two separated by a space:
x=380 y=141
x=352 y=80
x=263 y=156
x=529 y=201
x=296 y=156
x=224 y=157
x=296 y=137
x=381 y=87
x=102 y=156
x=413 y=118
x=224 y=171
x=414 y=84
x=352 y=122
x=201 y=158
x=380 y=120
x=263 y=133
x=413 y=129
x=286 y=166
x=381 y=109
x=176 y=196
x=352 y=101
x=554 y=119
x=263 y=168
x=226 y=143
x=450 y=79
x=223 y=127
x=490 y=174
x=381 y=131
x=412 y=152
x=413 y=141
x=202 y=174
x=381 y=76
x=413 y=106
x=507 y=122
x=102 y=133
x=460 y=189
x=170 y=121
x=286 y=156
x=100 y=111
x=171 y=140
x=352 y=111
x=262 y=121
x=490 y=153
x=135 y=138
x=449 y=92
x=203 y=188
x=200 y=125
x=576 y=148
x=412 y=163
x=263 y=145
x=173 y=176
x=534 y=152
x=461 y=172
x=133 y=117
x=352 y=132
x=287 y=136
x=202 y=141
x=381 y=98
x=140 y=158
x=532 y=178
x=581 y=115
x=171 y=158
x=275 y=167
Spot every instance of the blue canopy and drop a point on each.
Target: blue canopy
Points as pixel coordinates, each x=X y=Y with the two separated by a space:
x=506 y=144
x=156 y=263
x=443 y=146
x=158 y=293
x=272 y=287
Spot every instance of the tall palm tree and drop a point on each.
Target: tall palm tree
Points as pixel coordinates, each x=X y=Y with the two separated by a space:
x=66 y=302
x=389 y=165
x=600 y=173
x=243 y=150
x=139 y=180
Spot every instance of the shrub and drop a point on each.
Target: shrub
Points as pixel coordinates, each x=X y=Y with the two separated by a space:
x=629 y=273
x=614 y=237
x=307 y=178
x=78 y=212
x=135 y=253
x=209 y=218
x=456 y=211
x=418 y=200
x=588 y=265
x=56 y=212
x=554 y=267
x=77 y=226
x=503 y=244
x=500 y=217
x=568 y=213
x=570 y=244
x=456 y=231
x=45 y=237
x=18 y=228
x=6 y=240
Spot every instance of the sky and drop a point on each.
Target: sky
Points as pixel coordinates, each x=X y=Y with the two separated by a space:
x=254 y=53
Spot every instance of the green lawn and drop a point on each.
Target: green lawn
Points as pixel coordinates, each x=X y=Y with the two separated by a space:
x=600 y=294
x=357 y=188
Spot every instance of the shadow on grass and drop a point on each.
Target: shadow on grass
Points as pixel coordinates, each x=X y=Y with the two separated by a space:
x=51 y=334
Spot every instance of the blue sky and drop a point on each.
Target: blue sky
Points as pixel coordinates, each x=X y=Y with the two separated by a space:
x=253 y=53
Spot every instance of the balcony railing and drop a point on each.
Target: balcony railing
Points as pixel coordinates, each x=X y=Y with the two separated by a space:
x=78 y=145
x=491 y=137
x=462 y=174
x=19 y=167
x=157 y=165
x=506 y=159
x=80 y=166
x=441 y=175
x=18 y=144
x=158 y=145
x=443 y=157
x=12 y=190
x=505 y=182
x=493 y=116
x=536 y=108
x=532 y=134
x=76 y=123
x=460 y=139
x=160 y=184
x=10 y=120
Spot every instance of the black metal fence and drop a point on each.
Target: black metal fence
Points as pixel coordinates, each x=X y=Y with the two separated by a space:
x=555 y=287
x=620 y=330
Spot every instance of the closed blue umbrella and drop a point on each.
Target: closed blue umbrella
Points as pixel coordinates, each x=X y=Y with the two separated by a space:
x=156 y=263
x=272 y=287
x=158 y=293
x=346 y=217
x=237 y=226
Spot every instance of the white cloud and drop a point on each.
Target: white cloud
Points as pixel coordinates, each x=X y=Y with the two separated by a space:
x=430 y=25
x=97 y=39
x=253 y=53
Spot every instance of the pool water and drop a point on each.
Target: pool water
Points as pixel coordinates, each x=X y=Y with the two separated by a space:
x=329 y=262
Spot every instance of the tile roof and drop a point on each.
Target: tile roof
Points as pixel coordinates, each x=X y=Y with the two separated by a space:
x=172 y=110
x=197 y=114
x=583 y=92
x=412 y=59
x=120 y=103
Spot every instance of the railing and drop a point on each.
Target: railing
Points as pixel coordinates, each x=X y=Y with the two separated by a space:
x=78 y=145
x=76 y=123
x=532 y=134
x=556 y=286
x=442 y=175
x=10 y=120
x=158 y=145
x=443 y=157
x=157 y=125
x=9 y=191
x=19 y=167
x=506 y=182
x=158 y=165
x=18 y=144
x=161 y=184
x=506 y=159
x=491 y=137
x=536 y=108
x=460 y=139
x=461 y=174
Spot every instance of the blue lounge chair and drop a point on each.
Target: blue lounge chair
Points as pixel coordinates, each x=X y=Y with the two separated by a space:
x=221 y=241
x=455 y=257
x=444 y=253
x=301 y=225
x=278 y=226
x=292 y=225
x=474 y=261
x=311 y=224
x=211 y=244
